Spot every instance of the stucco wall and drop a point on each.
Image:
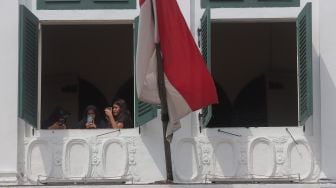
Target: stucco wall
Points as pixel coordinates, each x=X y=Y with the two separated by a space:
x=9 y=16
x=268 y=151
x=328 y=86
x=59 y=155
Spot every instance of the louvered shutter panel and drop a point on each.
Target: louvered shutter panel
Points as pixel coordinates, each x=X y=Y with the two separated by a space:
x=143 y=112
x=249 y=3
x=205 y=38
x=59 y=4
x=85 y=4
x=304 y=43
x=28 y=66
x=114 y=4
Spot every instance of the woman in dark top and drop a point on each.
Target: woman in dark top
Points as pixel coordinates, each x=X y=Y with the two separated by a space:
x=91 y=119
x=57 y=119
x=118 y=116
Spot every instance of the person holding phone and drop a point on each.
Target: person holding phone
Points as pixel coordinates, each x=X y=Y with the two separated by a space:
x=60 y=124
x=91 y=119
x=118 y=116
x=57 y=119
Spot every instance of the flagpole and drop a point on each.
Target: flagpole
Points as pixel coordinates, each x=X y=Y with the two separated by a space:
x=164 y=105
x=164 y=111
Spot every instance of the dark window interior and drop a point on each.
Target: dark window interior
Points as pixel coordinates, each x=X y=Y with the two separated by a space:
x=86 y=65
x=254 y=66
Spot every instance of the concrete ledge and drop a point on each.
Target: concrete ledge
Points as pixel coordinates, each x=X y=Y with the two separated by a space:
x=327 y=185
x=8 y=178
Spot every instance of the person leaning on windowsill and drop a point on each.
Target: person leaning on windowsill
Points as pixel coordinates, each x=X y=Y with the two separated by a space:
x=118 y=116
x=57 y=120
x=60 y=124
x=91 y=119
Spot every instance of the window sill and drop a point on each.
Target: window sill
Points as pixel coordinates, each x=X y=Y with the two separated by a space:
x=87 y=133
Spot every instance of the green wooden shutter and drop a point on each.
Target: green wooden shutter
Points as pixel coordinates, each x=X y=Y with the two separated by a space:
x=304 y=43
x=28 y=66
x=85 y=4
x=114 y=4
x=143 y=112
x=249 y=3
x=205 y=38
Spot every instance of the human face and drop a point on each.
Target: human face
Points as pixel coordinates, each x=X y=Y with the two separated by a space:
x=61 y=120
x=115 y=110
x=91 y=113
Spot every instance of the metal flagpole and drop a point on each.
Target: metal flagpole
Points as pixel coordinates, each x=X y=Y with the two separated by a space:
x=164 y=111
x=164 y=105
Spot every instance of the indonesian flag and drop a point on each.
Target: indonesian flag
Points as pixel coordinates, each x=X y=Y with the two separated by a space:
x=189 y=85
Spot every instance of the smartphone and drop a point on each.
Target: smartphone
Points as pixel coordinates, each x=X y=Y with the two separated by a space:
x=89 y=119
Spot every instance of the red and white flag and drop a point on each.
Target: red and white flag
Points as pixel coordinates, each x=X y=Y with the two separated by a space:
x=189 y=85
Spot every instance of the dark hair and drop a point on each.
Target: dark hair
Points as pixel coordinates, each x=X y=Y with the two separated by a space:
x=94 y=108
x=58 y=113
x=122 y=104
x=98 y=119
x=124 y=115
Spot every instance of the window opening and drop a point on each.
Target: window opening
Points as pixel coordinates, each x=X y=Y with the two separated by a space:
x=86 y=65
x=254 y=66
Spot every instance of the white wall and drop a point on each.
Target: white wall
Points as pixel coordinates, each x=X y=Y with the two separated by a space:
x=9 y=14
x=328 y=86
x=44 y=152
x=149 y=150
x=248 y=150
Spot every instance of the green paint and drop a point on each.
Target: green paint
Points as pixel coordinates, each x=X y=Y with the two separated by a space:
x=85 y=4
x=28 y=66
x=205 y=42
x=249 y=3
x=304 y=44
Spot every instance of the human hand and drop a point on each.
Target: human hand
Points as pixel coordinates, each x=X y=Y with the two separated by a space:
x=108 y=112
x=61 y=126
x=57 y=125
x=90 y=125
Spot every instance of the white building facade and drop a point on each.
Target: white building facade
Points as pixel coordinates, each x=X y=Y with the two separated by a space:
x=272 y=61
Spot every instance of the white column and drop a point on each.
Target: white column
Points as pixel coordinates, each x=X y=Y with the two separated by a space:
x=9 y=21
x=328 y=87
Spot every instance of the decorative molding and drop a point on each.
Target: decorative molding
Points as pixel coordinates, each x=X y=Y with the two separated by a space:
x=177 y=170
x=204 y=159
x=254 y=143
x=46 y=151
x=280 y=150
x=281 y=156
x=67 y=151
x=97 y=155
x=124 y=160
x=204 y=151
x=234 y=155
x=292 y=146
x=132 y=163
